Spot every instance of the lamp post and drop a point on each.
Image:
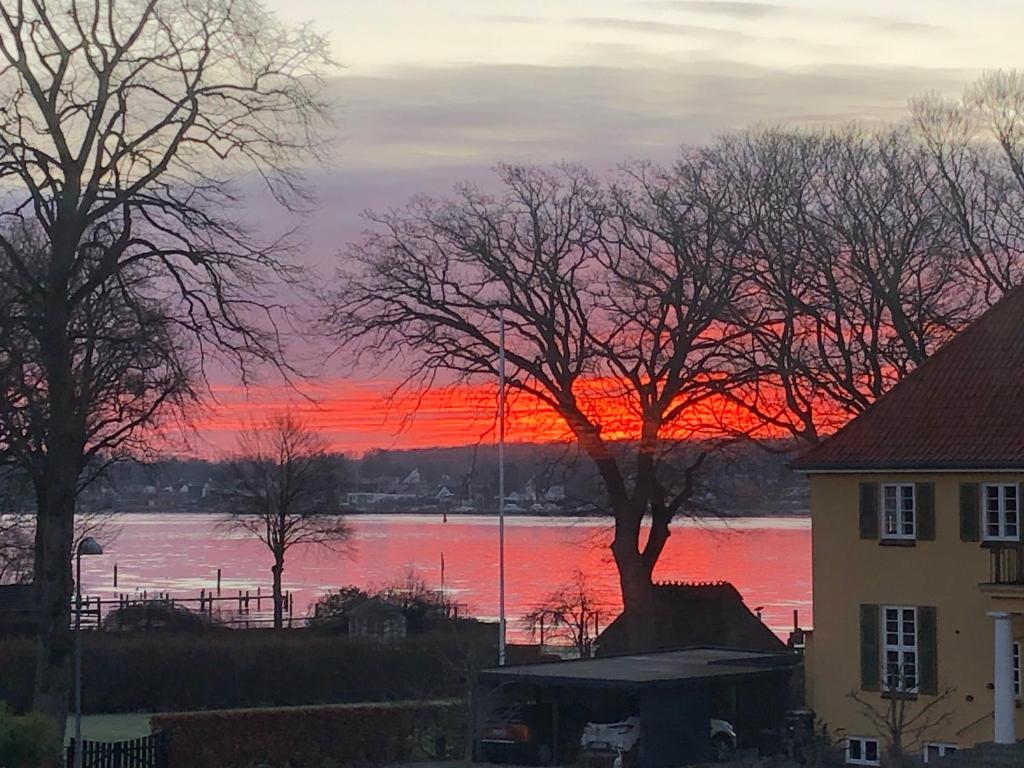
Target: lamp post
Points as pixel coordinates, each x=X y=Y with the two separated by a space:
x=501 y=490
x=87 y=546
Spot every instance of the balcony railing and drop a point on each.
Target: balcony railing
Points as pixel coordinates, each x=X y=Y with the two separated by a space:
x=1006 y=564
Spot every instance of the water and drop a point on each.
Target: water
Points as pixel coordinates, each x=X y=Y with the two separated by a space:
x=767 y=559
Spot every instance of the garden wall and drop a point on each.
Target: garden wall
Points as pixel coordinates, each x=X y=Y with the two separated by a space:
x=316 y=737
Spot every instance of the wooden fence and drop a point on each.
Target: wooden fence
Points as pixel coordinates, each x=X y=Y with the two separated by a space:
x=145 y=752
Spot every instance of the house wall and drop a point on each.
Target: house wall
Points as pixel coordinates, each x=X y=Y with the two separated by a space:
x=945 y=573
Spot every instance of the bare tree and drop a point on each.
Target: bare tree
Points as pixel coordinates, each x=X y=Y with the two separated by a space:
x=904 y=723
x=572 y=614
x=859 y=273
x=616 y=303
x=976 y=144
x=123 y=126
x=284 y=491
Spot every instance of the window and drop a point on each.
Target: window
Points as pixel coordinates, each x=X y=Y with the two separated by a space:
x=938 y=750
x=898 y=518
x=899 y=644
x=861 y=751
x=1002 y=507
x=1016 y=670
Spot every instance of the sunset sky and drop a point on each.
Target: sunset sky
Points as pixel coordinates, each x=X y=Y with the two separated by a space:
x=437 y=92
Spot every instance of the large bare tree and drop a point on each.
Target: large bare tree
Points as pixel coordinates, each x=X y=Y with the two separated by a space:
x=616 y=301
x=283 y=488
x=124 y=126
x=859 y=272
x=976 y=144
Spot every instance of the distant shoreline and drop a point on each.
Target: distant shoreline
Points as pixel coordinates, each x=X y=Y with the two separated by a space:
x=441 y=513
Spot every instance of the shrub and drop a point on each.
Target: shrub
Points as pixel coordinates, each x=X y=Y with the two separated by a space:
x=154 y=614
x=159 y=671
x=330 y=612
x=315 y=737
x=24 y=739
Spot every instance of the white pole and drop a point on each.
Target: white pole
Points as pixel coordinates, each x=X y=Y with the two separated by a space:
x=1003 y=678
x=76 y=760
x=501 y=488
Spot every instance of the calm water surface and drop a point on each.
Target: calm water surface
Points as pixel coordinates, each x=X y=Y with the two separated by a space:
x=769 y=560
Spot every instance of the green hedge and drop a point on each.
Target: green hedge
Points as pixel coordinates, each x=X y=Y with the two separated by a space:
x=24 y=739
x=155 y=671
x=316 y=737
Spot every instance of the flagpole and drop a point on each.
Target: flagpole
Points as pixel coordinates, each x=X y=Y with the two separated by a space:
x=501 y=488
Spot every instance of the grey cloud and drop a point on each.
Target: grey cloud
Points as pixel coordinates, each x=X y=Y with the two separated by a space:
x=888 y=24
x=660 y=28
x=743 y=10
x=422 y=130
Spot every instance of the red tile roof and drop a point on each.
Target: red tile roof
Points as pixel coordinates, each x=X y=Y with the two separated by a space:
x=963 y=408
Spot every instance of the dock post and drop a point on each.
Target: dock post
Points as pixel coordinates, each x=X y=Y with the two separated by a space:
x=218 y=582
x=115 y=575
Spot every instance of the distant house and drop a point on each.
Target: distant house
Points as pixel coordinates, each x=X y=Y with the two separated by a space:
x=378 y=619
x=918 y=555
x=690 y=615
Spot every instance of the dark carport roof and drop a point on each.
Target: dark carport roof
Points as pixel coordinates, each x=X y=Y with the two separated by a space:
x=644 y=669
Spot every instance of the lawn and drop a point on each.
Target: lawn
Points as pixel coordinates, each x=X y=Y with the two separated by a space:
x=111 y=727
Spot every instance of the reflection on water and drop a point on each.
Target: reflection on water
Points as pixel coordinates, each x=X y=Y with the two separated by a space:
x=769 y=560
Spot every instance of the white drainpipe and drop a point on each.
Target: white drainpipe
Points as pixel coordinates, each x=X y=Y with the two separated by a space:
x=1003 y=680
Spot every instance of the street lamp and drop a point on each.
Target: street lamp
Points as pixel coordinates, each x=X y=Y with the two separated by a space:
x=87 y=546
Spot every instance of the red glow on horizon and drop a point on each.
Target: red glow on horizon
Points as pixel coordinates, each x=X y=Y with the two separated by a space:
x=359 y=416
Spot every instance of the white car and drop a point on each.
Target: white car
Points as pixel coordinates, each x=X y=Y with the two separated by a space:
x=623 y=736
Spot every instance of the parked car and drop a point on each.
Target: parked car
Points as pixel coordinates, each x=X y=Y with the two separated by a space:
x=723 y=740
x=518 y=733
x=620 y=740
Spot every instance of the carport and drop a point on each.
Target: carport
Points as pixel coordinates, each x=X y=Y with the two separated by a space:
x=675 y=694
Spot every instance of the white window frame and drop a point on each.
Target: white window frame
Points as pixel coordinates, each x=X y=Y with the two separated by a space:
x=903 y=645
x=899 y=511
x=863 y=759
x=942 y=749
x=1016 y=669
x=1002 y=512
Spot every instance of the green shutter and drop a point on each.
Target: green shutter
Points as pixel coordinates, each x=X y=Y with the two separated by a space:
x=927 y=651
x=970 y=525
x=869 y=510
x=924 y=499
x=870 y=675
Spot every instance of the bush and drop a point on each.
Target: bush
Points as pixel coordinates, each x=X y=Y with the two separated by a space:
x=315 y=737
x=24 y=739
x=158 y=671
x=154 y=614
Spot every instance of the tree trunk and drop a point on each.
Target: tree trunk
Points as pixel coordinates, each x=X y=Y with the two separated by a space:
x=637 y=592
x=53 y=588
x=56 y=487
x=276 y=570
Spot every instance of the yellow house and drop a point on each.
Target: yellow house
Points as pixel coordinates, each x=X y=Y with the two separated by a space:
x=918 y=562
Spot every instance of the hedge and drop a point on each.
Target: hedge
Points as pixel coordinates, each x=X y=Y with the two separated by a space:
x=157 y=671
x=315 y=737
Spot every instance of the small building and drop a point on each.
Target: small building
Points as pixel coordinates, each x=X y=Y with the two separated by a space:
x=697 y=614
x=917 y=550
x=378 y=619
x=18 y=614
x=675 y=694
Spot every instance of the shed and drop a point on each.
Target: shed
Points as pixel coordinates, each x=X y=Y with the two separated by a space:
x=18 y=611
x=377 y=618
x=674 y=693
x=697 y=614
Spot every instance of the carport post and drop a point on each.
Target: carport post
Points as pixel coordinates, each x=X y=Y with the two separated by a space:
x=554 y=729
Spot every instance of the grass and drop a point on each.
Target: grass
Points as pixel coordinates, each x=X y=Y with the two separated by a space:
x=111 y=727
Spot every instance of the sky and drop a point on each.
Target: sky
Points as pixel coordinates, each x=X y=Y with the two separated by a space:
x=433 y=92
